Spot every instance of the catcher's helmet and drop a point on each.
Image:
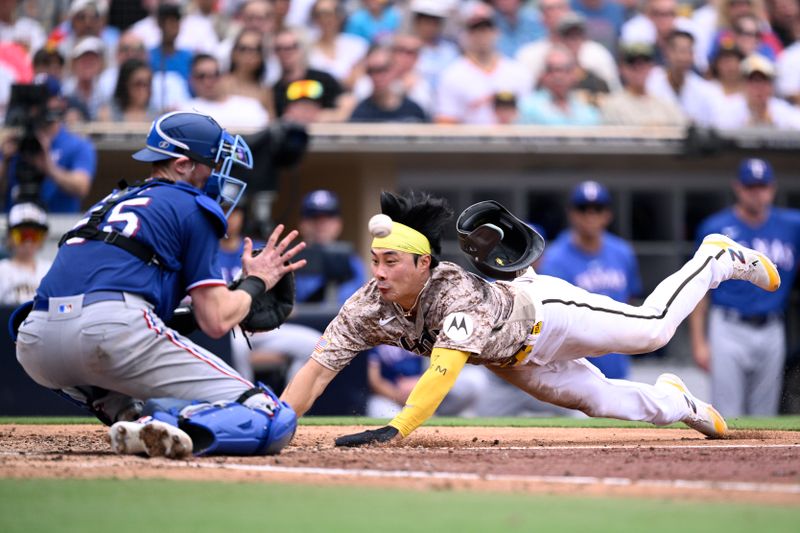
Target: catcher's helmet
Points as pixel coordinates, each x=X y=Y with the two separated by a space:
x=201 y=139
x=499 y=244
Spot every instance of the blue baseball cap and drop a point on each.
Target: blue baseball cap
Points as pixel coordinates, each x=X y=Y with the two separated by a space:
x=590 y=193
x=320 y=202
x=755 y=172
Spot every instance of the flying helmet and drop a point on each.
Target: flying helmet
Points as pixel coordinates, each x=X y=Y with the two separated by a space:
x=201 y=139
x=499 y=244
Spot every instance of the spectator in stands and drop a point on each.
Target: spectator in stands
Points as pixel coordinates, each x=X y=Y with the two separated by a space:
x=388 y=101
x=742 y=340
x=392 y=373
x=333 y=104
x=169 y=89
x=201 y=28
x=375 y=21
x=334 y=271
x=564 y=27
x=334 y=52
x=590 y=257
x=166 y=56
x=232 y=111
x=258 y=16
x=408 y=79
x=757 y=106
x=303 y=102
x=67 y=161
x=131 y=102
x=680 y=84
x=25 y=31
x=787 y=71
x=747 y=34
x=21 y=274
x=86 y=65
x=427 y=23
x=654 y=25
x=247 y=65
x=604 y=20
x=468 y=85
x=518 y=24
x=784 y=19
x=555 y=102
x=726 y=73
x=48 y=60
x=505 y=108
x=572 y=30
x=86 y=18
x=633 y=106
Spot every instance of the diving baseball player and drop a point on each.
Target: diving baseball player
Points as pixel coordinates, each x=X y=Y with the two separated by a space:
x=98 y=330
x=533 y=331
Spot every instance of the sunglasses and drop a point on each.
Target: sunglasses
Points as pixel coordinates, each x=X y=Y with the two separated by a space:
x=405 y=50
x=205 y=75
x=286 y=47
x=564 y=69
x=481 y=25
x=140 y=83
x=377 y=69
x=20 y=235
x=591 y=208
x=308 y=89
x=250 y=49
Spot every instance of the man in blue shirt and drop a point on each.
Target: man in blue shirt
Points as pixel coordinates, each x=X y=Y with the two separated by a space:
x=588 y=256
x=518 y=24
x=166 y=57
x=66 y=161
x=741 y=341
x=115 y=282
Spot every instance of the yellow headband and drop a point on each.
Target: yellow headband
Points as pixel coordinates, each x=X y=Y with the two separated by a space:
x=404 y=239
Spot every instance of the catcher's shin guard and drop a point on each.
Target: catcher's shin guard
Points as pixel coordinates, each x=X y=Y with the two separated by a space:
x=233 y=429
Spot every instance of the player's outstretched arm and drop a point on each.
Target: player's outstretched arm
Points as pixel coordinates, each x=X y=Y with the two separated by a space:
x=423 y=401
x=306 y=386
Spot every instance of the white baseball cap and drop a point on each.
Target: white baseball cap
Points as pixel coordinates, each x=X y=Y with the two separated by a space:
x=27 y=214
x=432 y=8
x=89 y=44
x=101 y=6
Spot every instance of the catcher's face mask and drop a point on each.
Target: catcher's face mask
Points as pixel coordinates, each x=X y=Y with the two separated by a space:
x=499 y=244
x=221 y=186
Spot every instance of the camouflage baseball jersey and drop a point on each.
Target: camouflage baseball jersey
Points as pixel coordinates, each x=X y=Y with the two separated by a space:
x=456 y=310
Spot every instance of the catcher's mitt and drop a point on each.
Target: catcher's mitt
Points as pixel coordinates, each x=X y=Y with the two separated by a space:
x=269 y=309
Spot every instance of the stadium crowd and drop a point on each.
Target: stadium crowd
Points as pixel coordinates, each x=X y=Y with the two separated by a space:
x=723 y=63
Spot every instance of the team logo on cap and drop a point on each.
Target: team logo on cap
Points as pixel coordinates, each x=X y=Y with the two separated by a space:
x=163 y=144
x=458 y=326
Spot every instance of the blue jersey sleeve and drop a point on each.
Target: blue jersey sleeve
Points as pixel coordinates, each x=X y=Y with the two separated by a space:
x=85 y=158
x=200 y=260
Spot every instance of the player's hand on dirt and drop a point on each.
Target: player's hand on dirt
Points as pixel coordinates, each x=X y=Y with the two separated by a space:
x=371 y=436
x=702 y=355
x=275 y=258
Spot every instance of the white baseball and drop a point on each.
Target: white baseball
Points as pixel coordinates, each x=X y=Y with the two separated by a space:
x=380 y=225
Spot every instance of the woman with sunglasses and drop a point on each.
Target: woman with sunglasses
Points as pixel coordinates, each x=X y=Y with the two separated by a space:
x=21 y=273
x=131 y=101
x=247 y=70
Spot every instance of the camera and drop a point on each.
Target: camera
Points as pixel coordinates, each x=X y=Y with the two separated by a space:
x=28 y=112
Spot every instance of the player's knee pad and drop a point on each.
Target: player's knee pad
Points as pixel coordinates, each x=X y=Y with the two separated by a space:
x=233 y=429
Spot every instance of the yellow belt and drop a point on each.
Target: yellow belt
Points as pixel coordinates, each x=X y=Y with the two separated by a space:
x=521 y=355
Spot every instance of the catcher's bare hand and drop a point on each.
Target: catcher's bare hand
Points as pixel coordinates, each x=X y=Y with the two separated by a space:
x=371 y=436
x=275 y=259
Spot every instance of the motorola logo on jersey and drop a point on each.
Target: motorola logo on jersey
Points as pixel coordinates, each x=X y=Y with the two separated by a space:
x=458 y=326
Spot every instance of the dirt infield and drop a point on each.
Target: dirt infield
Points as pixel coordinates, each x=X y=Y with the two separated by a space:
x=752 y=466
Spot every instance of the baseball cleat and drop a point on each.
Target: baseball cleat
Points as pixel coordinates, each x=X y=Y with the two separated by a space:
x=703 y=417
x=155 y=438
x=748 y=264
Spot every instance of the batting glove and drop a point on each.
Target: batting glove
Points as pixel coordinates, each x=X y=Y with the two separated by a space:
x=384 y=434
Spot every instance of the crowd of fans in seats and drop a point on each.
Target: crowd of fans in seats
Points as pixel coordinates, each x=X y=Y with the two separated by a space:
x=725 y=64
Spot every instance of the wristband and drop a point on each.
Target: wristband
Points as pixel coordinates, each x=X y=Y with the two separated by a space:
x=253 y=285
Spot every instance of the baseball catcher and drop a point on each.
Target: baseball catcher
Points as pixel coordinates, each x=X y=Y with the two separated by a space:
x=533 y=331
x=98 y=331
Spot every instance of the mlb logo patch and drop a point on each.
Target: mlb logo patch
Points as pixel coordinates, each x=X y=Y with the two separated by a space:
x=65 y=308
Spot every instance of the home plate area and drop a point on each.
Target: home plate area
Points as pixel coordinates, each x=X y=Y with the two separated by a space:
x=751 y=466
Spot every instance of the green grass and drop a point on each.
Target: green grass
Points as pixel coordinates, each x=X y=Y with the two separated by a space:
x=177 y=506
x=788 y=422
